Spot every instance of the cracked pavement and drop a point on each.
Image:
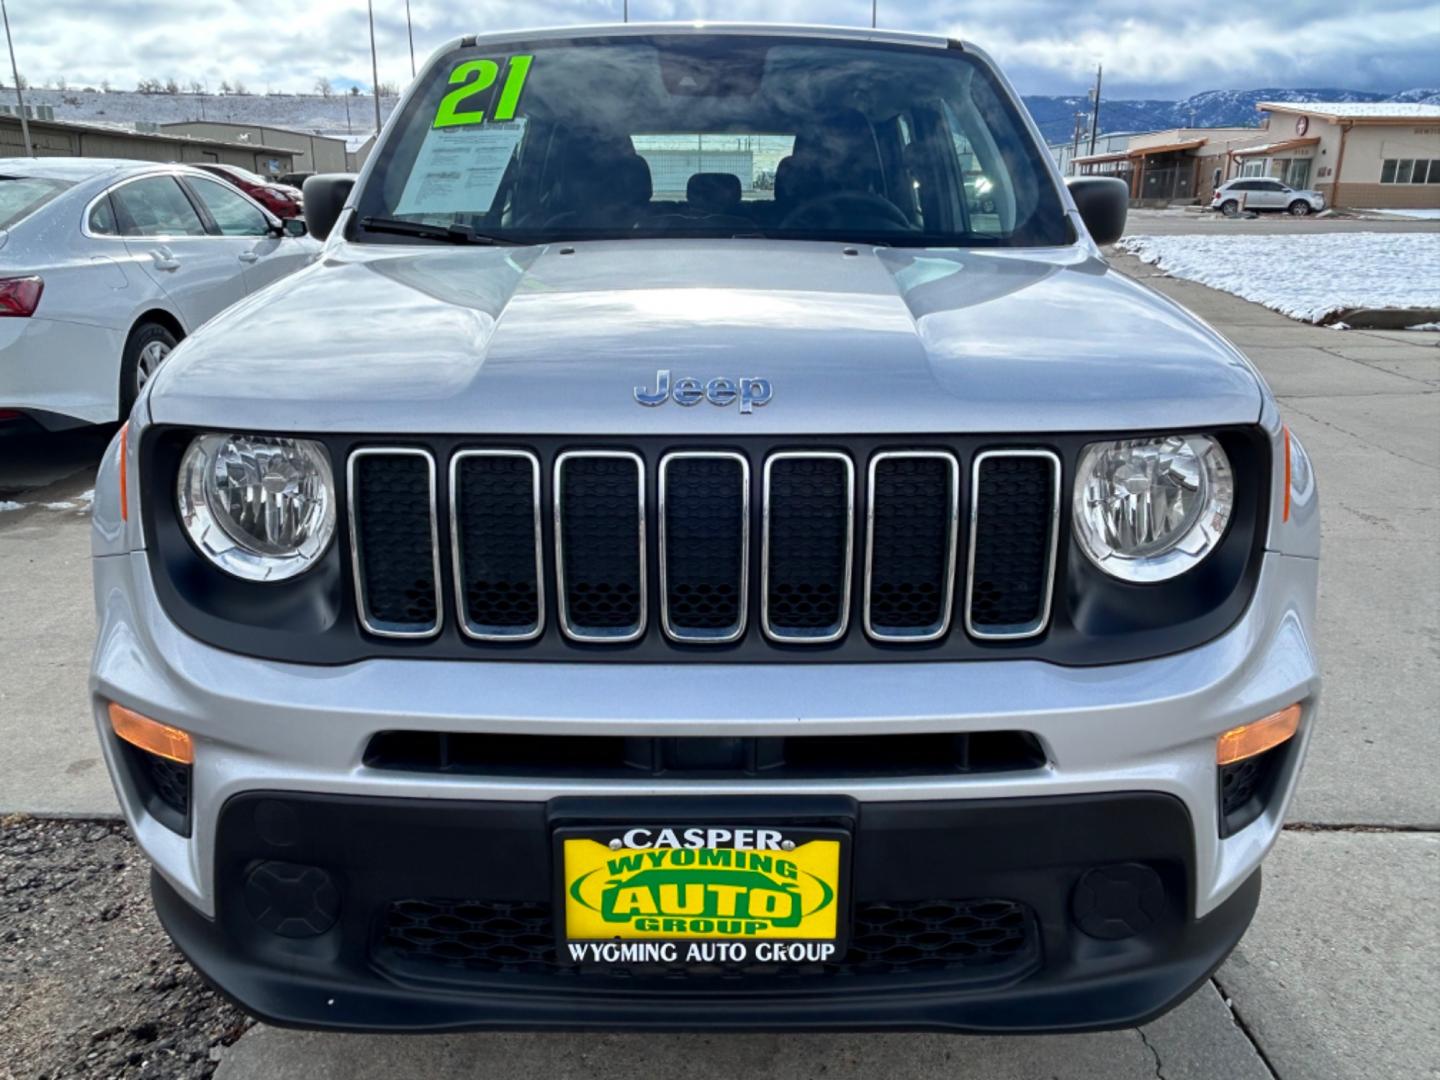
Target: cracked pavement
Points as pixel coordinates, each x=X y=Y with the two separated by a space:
x=1339 y=976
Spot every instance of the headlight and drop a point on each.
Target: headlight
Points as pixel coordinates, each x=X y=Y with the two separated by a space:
x=259 y=507
x=1150 y=509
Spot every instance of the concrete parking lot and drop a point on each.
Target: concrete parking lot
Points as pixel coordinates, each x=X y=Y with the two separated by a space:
x=1338 y=977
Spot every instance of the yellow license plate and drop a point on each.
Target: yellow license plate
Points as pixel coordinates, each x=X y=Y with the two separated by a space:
x=688 y=895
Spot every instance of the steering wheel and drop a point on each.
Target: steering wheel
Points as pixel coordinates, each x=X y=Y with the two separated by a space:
x=842 y=207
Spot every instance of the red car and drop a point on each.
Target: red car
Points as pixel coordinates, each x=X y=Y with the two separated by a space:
x=280 y=199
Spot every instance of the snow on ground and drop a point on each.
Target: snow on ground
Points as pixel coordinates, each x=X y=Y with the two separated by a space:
x=1423 y=215
x=1307 y=275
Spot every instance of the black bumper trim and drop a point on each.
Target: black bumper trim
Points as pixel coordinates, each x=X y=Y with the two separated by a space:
x=1031 y=849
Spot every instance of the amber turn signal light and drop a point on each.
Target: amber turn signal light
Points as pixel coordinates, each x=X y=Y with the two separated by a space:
x=151 y=736
x=1247 y=740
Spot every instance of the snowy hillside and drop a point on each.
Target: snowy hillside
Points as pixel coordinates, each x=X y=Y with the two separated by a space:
x=301 y=112
x=308 y=112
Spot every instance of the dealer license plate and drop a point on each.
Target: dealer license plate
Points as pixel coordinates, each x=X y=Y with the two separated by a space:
x=685 y=895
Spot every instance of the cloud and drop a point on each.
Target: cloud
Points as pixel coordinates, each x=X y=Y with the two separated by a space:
x=1047 y=46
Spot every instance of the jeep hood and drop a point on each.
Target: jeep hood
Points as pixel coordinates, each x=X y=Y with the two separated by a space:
x=554 y=339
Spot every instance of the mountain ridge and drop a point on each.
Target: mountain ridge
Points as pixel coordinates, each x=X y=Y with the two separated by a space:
x=1055 y=114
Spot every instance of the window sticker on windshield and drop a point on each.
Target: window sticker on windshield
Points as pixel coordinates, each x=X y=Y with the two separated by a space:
x=475 y=77
x=459 y=169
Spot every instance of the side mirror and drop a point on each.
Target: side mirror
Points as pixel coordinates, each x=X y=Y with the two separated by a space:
x=294 y=227
x=1103 y=202
x=325 y=197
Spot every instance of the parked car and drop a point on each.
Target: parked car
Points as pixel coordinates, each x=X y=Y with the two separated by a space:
x=1265 y=193
x=106 y=265
x=281 y=199
x=817 y=608
x=294 y=180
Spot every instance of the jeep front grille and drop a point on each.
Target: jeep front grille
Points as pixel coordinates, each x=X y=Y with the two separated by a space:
x=499 y=568
x=394 y=542
x=512 y=531
x=704 y=545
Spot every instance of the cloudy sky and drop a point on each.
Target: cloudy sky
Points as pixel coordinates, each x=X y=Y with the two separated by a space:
x=1166 y=49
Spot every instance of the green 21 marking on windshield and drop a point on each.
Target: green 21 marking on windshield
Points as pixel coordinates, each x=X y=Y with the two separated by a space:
x=476 y=76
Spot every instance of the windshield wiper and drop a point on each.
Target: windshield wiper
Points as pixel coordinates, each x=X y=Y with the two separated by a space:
x=450 y=234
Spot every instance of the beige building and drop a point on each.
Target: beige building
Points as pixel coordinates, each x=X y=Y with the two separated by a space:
x=308 y=152
x=1178 y=165
x=1360 y=154
x=59 y=138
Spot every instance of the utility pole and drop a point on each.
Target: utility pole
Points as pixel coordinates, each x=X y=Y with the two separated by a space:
x=374 y=67
x=1095 y=107
x=1079 y=131
x=874 y=11
x=19 y=94
x=410 y=29
x=627 y=11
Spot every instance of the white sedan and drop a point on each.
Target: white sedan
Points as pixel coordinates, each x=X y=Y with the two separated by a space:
x=106 y=265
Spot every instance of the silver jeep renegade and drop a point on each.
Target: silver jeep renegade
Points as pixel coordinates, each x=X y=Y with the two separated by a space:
x=711 y=544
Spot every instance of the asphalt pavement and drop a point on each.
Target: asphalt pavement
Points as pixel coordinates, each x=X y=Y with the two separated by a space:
x=1338 y=977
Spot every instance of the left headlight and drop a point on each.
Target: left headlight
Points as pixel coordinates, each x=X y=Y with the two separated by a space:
x=259 y=507
x=1148 y=510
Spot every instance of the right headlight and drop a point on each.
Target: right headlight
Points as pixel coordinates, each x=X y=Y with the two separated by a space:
x=259 y=507
x=1147 y=510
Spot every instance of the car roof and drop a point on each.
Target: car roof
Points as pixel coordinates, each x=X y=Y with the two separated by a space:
x=78 y=169
x=758 y=29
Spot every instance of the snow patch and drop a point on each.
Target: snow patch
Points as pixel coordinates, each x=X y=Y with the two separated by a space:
x=1306 y=276
x=1420 y=214
x=8 y=506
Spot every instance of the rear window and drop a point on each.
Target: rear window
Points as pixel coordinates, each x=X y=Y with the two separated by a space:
x=21 y=196
x=713 y=136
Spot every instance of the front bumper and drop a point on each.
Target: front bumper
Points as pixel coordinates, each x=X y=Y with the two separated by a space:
x=1140 y=731
x=1033 y=859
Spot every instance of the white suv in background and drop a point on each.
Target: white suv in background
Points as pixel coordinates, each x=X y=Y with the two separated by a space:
x=1264 y=193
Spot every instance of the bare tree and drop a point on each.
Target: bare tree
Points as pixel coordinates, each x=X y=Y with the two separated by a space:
x=389 y=89
x=225 y=86
x=171 y=86
x=354 y=91
x=22 y=82
x=149 y=86
x=195 y=86
x=323 y=87
x=105 y=86
x=61 y=83
x=240 y=89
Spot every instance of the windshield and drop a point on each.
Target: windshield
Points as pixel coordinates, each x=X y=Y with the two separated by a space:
x=21 y=196
x=711 y=136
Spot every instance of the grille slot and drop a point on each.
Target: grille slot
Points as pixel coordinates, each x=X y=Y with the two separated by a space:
x=633 y=757
x=889 y=938
x=1014 y=530
x=809 y=539
x=495 y=538
x=394 y=541
x=913 y=507
x=704 y=545
x=600 y=545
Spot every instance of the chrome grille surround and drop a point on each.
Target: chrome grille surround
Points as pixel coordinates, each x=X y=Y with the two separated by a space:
x=482 y=633
x=836 y=632
x=356 y=557
x=694 y=636
x=939 y=630
x=1038 y=625
x=568 y=627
